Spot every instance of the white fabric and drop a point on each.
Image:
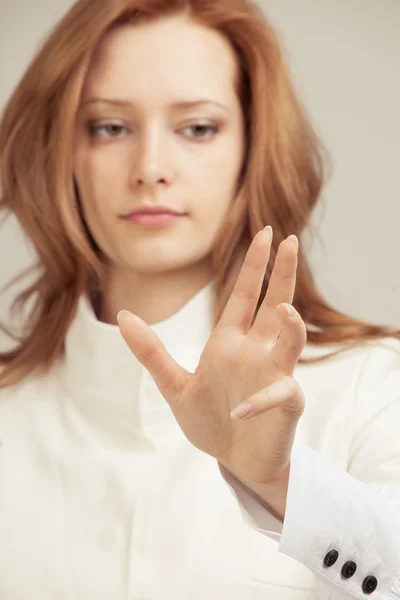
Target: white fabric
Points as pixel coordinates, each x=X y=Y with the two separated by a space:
x=103 y=497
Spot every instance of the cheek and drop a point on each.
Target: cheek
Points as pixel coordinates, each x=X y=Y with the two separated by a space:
x=218 y=183
x=224 y=164
x=83 y=171
x=95 y=175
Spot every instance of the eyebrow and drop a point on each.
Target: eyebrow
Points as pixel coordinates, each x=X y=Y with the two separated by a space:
x=179 y=105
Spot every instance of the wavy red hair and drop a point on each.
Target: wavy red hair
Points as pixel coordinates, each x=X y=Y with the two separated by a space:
x=281 y=181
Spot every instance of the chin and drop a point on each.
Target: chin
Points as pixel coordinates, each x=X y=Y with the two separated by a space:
x=154 y=265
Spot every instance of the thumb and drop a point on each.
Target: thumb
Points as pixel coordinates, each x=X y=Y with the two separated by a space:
x=169 y=377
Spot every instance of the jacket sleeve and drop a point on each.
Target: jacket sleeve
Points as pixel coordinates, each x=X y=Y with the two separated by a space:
x=345 y=525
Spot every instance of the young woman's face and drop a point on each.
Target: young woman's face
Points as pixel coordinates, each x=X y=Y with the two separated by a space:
x=159 y=124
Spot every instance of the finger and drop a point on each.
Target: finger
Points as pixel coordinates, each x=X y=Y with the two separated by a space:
x=169 y=377
x=285 y=393
x=280 y=289
x=240 y=308
x=290 y=344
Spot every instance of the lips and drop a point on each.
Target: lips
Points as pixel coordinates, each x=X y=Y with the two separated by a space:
x=154 y=220
x=153 y=210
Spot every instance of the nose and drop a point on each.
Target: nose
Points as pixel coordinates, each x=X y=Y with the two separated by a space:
x=151 y=166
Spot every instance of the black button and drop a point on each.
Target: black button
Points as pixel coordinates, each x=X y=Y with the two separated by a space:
x=331 y=558
x=348 y=569
x=370 y=584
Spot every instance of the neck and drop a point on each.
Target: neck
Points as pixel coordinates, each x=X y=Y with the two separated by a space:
x=153 y=297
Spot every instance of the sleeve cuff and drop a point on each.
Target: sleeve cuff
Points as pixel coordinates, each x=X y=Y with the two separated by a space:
x=254 y=511
x=329 y=510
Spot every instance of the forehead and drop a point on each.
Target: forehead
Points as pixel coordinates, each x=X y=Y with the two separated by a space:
x=173 y=56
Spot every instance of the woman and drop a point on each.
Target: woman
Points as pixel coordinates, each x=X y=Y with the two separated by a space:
x=144 y=151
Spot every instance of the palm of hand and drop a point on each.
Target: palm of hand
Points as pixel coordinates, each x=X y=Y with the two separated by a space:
x=239 y=364
x=203 y=411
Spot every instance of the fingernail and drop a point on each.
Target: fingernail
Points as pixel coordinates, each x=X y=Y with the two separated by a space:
x=121 y=312
x=295 y=240
x=269 y=228
x=242 y=410
x=289 y=310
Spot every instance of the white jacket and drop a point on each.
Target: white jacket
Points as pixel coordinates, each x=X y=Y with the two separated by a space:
x=103 y=498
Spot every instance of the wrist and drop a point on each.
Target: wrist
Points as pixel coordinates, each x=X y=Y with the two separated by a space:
x=273 y=494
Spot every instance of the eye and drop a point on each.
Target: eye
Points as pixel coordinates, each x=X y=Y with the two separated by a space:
x=199 y=129
x=106 y=130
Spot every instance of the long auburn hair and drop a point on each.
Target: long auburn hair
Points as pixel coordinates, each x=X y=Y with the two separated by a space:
x=281 y=180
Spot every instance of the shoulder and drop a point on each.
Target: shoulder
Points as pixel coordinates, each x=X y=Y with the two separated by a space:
x=372 y=358
x=378 y=382
x=27 y=396
x=361 y=378
x=382 y=359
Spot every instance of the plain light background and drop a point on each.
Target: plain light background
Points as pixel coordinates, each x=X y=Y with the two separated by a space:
x=345 y=59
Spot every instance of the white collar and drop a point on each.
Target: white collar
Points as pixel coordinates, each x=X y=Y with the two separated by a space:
x=104 y=379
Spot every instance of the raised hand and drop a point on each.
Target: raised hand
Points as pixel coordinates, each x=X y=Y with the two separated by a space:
x=243 y=369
